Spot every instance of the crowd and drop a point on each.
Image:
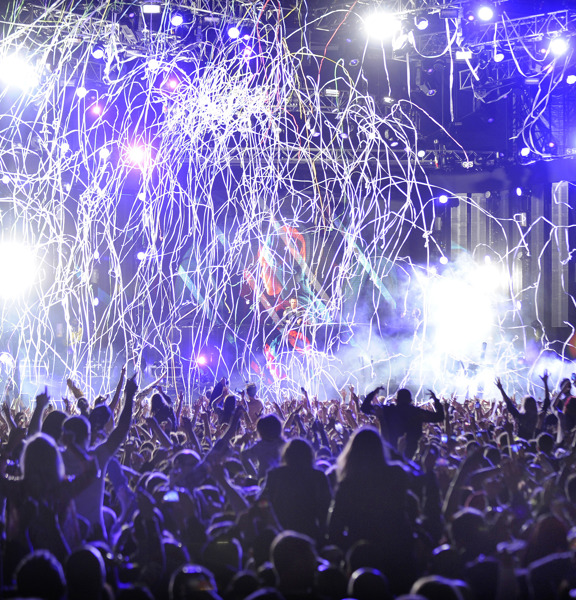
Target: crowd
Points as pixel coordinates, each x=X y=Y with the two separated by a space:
x=234 y=497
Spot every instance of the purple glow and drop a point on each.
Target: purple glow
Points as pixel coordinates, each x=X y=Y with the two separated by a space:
x=97 y=109
x=137 y=155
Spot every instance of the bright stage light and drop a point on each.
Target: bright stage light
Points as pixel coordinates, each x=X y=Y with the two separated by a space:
x=558 y=46
x=443 y=260
x=234 y=33
x=81 y=92
x=485 y=13
x=98 y=51
x=518 y=191
x=421 y=23
x=571 y=79
x=498 y=56
x=16 y=72
x=97 y=109
x=104 y=153
x=151 y=8
x=137 y=155
x=141 y=255
x=18 y=269
x=382 y=25
x=176 y=19
x=525 y=152
x=201 y=360
x=153 y=64
x=5 y=179
x=421 y=153
x=95 y=301
x=463 y=300
x=443 y=199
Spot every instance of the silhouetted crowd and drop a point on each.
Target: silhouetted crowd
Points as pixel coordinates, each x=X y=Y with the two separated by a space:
x=235 y=497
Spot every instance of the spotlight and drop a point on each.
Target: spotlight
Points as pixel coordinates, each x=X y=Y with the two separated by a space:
x=141 y=255
x=421 y=23
x=176 y=19
x=153 y=64
x=485 y=12
x=382 y=25
x=234 y=33
x=97 y=51
x=525 y=152
x=16 y=71
x=201 y=360
x=95 y=301
x=443 y=260
x=5 y=179
x=571 y=79
x=173 y=83
x=96 y=255
x=498 y=56
x=81 y=92
x=151 y=8
x=104 y=153
x=18 y=269
x=421 y=153
x=558 y=46
x=443 y=199
x=137 y=155
x=97 y=109
x=518 y=191
x=247 y=53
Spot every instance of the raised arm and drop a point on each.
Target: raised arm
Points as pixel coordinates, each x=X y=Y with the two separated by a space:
x=366 y=407
x=119 y=433
x=118 y=392
x=509 y=404
x=42 y=401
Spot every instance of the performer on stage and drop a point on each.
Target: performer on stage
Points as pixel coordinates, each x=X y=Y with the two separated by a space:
x=293 y=317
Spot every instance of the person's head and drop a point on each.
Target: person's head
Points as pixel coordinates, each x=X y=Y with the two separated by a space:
x=293 y=302
x=403 y=397
x=295 y=561
x=269 y=427
x=99 y=417
x=530 y=405
x=76 y=430
x=434 y=587
x=42 y=466
x=251 y=389
x=298 y=453
x=565 y=386
x=85 y=574
x=40 y=575
x=52 y=424
x=157 y=403
x=229 y=407
x=545 y=443
x=368 y=584
x=363 y=454
x=192 y=582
